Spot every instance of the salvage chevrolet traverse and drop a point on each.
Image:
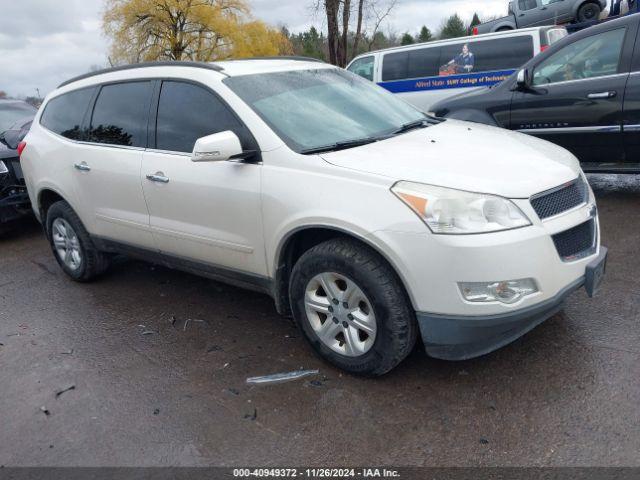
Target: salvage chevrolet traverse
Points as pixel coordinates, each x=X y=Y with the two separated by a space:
x=369 y=222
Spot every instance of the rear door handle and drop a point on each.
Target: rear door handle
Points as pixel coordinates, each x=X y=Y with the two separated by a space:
x=83 y=167
x=158 y=177
x=595 y=96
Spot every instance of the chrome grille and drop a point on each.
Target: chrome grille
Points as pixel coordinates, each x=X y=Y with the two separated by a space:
x=560 y=199
x=577 y=242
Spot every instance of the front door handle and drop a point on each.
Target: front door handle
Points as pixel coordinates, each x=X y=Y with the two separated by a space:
x=83 y=167
x=158 y=177
x=600 y=95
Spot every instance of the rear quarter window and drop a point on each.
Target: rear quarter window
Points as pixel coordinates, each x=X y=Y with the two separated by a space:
x=64 y=114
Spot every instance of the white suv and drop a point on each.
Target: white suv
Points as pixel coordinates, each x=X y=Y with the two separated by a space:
x=368 y=221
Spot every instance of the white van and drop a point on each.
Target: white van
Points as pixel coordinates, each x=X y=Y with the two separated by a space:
x=426 y=73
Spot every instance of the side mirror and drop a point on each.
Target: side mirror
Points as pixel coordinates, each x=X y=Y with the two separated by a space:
x=218 y=147
x=522 y=80
x=511 y=9
x=11 y=138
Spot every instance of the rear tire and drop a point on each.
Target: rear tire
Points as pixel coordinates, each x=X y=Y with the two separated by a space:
x=504 y=29
x=71 y=244
x=371 y=326
x=589 y=12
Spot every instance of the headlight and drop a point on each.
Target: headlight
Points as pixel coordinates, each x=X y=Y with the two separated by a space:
x=456 y=212
x=3 y=168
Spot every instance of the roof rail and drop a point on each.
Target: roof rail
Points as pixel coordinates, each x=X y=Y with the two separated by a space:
x=297 y=58
x=208 y=66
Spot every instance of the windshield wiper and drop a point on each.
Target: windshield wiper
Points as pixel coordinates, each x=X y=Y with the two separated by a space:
x=334 y=147
x=422 y=123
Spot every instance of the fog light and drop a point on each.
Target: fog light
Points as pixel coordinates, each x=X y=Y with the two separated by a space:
x=509 y=291
x=3 y=167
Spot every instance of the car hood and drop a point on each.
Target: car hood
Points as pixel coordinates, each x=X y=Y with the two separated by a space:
x=6 y=152
x=465 y=156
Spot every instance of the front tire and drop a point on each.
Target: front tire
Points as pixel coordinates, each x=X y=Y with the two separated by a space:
x=71 y=244
x=352 y=308
x=589 y=12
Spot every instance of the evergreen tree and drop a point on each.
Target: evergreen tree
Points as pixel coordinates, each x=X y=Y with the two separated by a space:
x=425 y=35
x=407 y=39
x=453 y=27
x=475 y=21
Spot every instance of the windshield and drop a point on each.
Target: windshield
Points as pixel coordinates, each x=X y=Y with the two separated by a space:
x=11 y=113
x=311 y=109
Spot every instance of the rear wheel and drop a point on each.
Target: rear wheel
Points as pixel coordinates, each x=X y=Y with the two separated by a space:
x=589 y=12
x=352 y=307
x=71 y=244
x=504 y=29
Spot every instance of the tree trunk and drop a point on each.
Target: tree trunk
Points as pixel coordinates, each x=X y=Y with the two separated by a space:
x=344 y=39
x=333 y=33
x=356 y=40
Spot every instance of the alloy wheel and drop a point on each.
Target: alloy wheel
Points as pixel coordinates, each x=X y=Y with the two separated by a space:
x=340 y=314
x=66 y=243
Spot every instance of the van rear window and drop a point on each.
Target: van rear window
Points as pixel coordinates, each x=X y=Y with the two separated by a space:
x=459 y=58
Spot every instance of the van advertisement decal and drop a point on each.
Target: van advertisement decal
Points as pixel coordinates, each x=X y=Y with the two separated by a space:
x=468 y=80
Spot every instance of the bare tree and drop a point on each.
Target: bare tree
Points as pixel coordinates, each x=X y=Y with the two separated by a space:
x=379 y=11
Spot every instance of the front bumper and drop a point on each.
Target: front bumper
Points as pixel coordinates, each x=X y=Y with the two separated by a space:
x=465 y=337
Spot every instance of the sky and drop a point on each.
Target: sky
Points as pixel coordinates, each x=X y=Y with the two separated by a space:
x=44 y=42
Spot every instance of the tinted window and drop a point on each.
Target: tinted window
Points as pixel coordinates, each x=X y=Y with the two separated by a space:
x=363 y=67
x=485 y=56
x=591 y=57
x=120 y=114
x=460 y=58
x=424 y=62
x=395 y=66
x=187 y=112
x=64 y=114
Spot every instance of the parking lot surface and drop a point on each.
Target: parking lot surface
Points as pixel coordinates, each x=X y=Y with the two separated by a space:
x=147 y=367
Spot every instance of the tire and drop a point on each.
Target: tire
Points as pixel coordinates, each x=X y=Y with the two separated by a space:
x=589 y=12
x=90 y=261
x=504 y=29
x=380 y=299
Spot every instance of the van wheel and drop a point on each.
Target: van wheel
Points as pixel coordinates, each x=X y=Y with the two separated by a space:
x=71 y=244
x=589 y=12
x=504 y=29
x=352 y=308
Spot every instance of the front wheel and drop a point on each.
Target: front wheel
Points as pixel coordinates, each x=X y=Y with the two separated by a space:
x=589 y=12
x=352 y=308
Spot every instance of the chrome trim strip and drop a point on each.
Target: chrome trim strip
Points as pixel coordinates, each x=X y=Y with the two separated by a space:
x=596 y=129
x=631 y=128
x=568 y=82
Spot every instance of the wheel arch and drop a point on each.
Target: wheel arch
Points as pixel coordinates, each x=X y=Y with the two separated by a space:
x=299 y=240
x=47 y=196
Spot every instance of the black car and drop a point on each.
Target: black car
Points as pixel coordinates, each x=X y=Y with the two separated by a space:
x=583 y=93
x=15 y=120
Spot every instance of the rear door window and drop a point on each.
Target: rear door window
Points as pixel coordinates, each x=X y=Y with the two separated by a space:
x=64 y=114
x=527 y=4
x=187 y=112
x=120 y=114
x=395 y=66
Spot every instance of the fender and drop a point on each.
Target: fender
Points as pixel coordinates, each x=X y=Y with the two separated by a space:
x=473 y=115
